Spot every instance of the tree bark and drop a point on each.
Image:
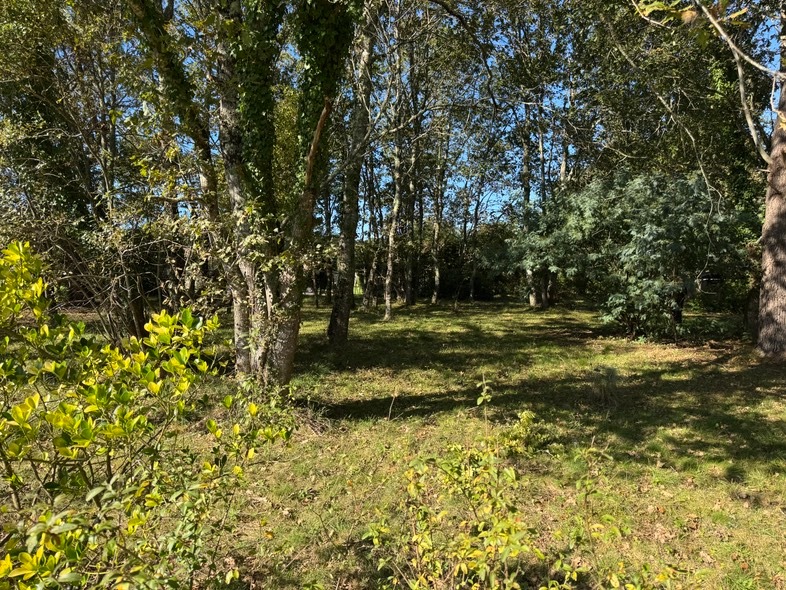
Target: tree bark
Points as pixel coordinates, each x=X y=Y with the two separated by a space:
x=375 y=233
x=392 y=227
x=398 y=180
x=439 y=198
x=241 y=276
x=338 y=328
x=284 y=286
x=772 y=297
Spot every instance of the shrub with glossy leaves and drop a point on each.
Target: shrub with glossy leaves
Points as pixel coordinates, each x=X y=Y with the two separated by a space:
x=103 y=488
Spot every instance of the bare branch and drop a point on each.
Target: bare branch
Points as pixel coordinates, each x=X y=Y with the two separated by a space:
x=463 y=21
x=757 y=141
x=732 y=45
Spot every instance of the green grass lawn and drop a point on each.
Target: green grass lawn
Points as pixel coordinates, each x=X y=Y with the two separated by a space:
x=696 y=481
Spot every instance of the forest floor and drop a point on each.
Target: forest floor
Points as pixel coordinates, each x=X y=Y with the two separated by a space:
x=694 y=483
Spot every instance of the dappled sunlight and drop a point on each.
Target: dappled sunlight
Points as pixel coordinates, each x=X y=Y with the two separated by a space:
x=559 y=364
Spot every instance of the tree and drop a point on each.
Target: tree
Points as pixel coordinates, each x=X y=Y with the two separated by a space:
x=68 y=153
x=338 y=329
x=743 y=28
x=264 y=233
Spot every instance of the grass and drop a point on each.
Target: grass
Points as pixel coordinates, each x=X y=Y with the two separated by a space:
x=696 y=436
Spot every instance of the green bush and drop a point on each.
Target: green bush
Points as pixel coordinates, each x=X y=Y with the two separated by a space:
x=103 y=487
x=462 y=529
x=458 y=525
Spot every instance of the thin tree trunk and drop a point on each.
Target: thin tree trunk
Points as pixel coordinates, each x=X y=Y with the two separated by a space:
x=338 y=328
x=533 y=293
x=439 y=195
x=544 y=288
x=410 y=279
x=375 y=223
x=398 y=180
x=553 y=286
x=411 y=270
x=392 y=227
x=180 y=91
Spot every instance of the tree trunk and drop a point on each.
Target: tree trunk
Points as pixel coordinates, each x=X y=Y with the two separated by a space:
x=439 y=195
x=398 y=180
x=544 y=288
x=180 y=91
x=772 y=297
x=338 y=328
x=283 y=324
x=241 y=326
x=533 y=294
x=284 y=285
x=242 y=278
x=375 y=224
x=392 y=227
x=410 y=271
x=552 y=289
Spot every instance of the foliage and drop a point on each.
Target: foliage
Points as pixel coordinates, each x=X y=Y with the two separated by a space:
x=528 y=435
x=104 y=488
x=672 y=231
x=462 y=528
x=639 y=243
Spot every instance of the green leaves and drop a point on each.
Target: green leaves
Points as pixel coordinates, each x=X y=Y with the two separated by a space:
x=462 y=529
x=85 y=423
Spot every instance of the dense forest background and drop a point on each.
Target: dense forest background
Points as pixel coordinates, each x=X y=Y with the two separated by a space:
x=214 y=156
x=246 y=160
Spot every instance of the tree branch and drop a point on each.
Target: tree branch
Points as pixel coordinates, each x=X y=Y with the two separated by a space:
x=465 y=25
x=739 y=53
x=757 y=141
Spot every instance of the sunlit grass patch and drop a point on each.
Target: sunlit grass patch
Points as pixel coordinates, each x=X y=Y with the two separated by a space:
x=697 y=437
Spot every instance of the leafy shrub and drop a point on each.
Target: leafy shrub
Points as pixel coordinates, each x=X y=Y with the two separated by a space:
x=103 y=486
x=462 y=528
x=666 y=232
x=527 y=435
x=640 y=244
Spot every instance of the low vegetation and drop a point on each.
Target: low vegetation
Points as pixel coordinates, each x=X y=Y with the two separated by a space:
x=649 y=464
x=484 y=446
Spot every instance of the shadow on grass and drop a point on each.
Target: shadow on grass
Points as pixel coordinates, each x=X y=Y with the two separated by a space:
x=677 y=412
x=425 y=336
x=720 y=421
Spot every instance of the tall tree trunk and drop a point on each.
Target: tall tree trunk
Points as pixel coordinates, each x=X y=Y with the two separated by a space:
x=439 y=197
x=398 y=180
x=410 y=271
x=338 y=328
x=285 y=285
x=375 y=235
x=533 y=292
x=772 y=298
x=392 y=228
x=413 y=253
x=242 y=278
